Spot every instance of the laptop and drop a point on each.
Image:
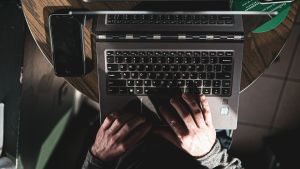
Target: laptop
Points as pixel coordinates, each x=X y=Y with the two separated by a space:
x=146 y=57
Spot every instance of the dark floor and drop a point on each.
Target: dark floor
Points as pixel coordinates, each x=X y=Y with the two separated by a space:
x=271 y=105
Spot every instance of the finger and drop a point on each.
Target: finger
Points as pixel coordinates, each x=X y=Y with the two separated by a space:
x=184 y=114
x=195 y=108
x=108 y=121
x=140 y=133
x=168 y=135
x=173 y=122
x=128 y=127
x=206 y=110
x=120 y=121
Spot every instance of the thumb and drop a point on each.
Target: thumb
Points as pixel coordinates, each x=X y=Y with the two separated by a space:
x=168 y=135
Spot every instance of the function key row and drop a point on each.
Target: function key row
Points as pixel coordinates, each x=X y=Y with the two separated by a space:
x=169 y=53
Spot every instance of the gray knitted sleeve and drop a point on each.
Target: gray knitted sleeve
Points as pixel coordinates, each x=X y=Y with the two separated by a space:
x=218 y=158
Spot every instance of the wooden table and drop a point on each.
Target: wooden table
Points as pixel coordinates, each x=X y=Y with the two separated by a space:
x=259 y=52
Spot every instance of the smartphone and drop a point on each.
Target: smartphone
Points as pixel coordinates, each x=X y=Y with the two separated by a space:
x=274 y=1
x=67 y=45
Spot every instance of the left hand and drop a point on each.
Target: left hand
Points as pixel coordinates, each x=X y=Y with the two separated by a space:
x=197 y=134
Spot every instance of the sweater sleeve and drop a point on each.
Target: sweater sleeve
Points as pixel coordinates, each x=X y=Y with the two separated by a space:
x=218 y=158
x=92 y=162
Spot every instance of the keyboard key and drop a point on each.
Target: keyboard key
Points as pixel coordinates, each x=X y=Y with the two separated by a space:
x=223 y=75
x=174 y=67
x=127 y=59
x=209 y=68
x=216 y=91
x=228 y=53
x=160 y=75
x=123 y=90
x=140 y=67
x=191 y=67
x=225 y=60
x=213 y=60
x=114 y=75
x=216 y=83
x=152 y=75
x=206 y=83
x=130 y=82
x=138 y=90
x=113 y=90
x=170 y=60
x=185 y=75
x=182 y=67
x=131 y=67
x=196 y=60
x=181 y=83
x=168 y=75
x=123 y=67
x=156 y=83
x=126 y=75
x=193 y=76
x=226 y=68
x=220 y=53
x=226 y=91
x=210 y=75
x=189 y=83
x=200 y=68
x=157 y=67
x=165 y=68
x=198 y=83
x=119 y=59
x=226 y=83
x=147 y=82
x=204 y=60
x=212 y=53
x=148 y=67
x=206 y=90
x=130 y=90
x=110 y=59
x=117 y=83
x=134 y=75
x=202 y=75
x=217 y=68
x=144 y=60
x=143 y=75
x=139 y=82
x=112 y=67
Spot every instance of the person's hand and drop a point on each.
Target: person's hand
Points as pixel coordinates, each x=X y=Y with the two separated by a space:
x=118 y=133
x=196 y=135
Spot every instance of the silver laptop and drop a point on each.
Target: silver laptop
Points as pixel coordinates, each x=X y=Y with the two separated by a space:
x=146 y=57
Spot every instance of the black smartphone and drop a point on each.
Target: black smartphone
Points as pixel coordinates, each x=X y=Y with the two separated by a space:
x=274 y=1
x=67 y=46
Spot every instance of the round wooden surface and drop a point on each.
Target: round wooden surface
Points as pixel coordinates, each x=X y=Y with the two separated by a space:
x=260 y=50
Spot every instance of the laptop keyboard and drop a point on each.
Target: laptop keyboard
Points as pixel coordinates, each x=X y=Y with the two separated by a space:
x=146 y=72
x=169 y=19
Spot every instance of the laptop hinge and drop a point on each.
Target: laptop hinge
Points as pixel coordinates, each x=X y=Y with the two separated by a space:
x=168 y=37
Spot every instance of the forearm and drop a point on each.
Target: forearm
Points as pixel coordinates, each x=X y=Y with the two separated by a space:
x=91 y=162
x=219 y=158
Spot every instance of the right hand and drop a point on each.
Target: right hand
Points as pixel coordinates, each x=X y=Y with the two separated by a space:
x=116 y=135
x=197 y=134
